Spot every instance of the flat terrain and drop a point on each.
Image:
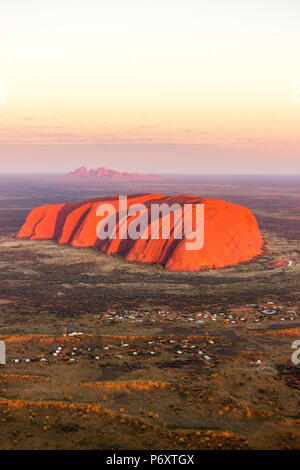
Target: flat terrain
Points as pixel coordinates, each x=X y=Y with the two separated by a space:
x=107 y=354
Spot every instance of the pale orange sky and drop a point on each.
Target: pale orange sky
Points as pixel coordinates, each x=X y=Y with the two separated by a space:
x=138 y=85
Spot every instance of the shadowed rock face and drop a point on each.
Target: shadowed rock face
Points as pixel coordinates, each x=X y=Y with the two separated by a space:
x=231 y=233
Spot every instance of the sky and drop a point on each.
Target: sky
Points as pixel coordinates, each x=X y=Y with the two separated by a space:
x=172 y=86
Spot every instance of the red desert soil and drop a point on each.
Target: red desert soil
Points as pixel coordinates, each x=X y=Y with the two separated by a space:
x=105 y=173
x=278 y=264
x=231 y=233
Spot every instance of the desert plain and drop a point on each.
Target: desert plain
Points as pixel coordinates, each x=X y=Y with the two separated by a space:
x=103 y=353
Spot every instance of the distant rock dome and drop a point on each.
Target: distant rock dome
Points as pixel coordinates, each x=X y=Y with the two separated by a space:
x=103 y=173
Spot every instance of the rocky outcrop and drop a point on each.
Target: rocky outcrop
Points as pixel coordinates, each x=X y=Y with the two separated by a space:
x=107 y=174
x=231 y=233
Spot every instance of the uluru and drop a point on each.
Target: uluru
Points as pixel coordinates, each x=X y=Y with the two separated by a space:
x=103 y=173
x=231 y=233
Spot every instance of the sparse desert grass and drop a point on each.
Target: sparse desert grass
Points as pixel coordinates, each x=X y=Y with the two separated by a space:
x=154 y=377
x=187 y=397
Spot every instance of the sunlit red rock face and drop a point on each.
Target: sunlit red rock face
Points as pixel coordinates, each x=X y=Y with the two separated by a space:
x=231 y=233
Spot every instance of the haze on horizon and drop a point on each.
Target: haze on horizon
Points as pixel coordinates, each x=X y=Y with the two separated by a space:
x=150 y=86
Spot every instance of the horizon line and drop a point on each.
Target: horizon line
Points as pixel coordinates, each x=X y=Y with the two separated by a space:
x=54 y=173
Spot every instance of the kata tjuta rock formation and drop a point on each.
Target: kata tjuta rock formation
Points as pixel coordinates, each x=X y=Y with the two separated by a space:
x=107 y=174
x=231 y=233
